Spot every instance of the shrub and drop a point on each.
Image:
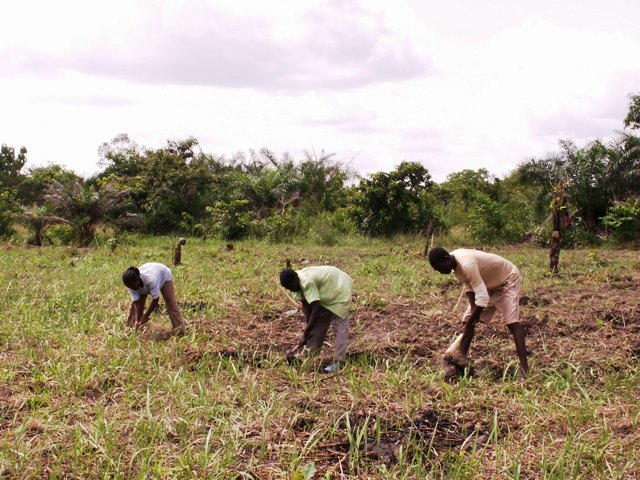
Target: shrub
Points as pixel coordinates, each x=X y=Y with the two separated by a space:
x=230 y=220
x=7 y=213
x=492 y=221
x=623 y=220
x=62 y=234
x=283 y=228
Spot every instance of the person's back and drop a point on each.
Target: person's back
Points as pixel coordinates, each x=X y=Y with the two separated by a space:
x=492 y=283
x=493 y=269
x=325 y=292
x=330 y=285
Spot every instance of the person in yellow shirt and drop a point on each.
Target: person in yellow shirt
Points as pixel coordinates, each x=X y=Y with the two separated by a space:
x=325 y=293
x=491 y=283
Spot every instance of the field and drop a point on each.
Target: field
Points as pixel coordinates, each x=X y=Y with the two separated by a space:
x=82 y=397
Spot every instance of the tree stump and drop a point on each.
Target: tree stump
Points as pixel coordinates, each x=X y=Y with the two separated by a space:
x=177 y=251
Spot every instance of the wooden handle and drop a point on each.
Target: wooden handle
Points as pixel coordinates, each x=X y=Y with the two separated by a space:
x=454 y=345
x=286 y=294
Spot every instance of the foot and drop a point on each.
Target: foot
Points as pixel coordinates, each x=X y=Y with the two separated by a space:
x=457 y=358
x=179 y=331
x=449 y=370
x=334 y=367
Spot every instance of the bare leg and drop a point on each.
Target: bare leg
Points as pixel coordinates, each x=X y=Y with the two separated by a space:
x=132 y=316
x=518 y=338
x=468 y=331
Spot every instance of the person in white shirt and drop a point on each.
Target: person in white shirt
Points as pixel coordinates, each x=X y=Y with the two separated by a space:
x=152 y=279
x=491 y=283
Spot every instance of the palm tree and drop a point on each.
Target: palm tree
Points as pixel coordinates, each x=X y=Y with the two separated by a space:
x=84 y=207
x=38 y=220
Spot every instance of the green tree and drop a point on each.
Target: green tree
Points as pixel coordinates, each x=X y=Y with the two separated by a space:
x=121 y=157
x=456 y=196
x=10 y=166
x=170 y=183
x=623 y=219
x=8 y=211
x=84 y=207
x=10 y=178
x=32 y=188
x=394 y=202
x=170 y=186
x=321 y=182
x=632 y=120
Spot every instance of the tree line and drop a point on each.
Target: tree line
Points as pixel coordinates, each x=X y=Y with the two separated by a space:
x=588 y=192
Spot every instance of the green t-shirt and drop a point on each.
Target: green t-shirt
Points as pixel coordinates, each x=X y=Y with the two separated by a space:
x=328 y=285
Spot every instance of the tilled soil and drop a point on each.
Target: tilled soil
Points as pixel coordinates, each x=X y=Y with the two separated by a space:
x=590 y=325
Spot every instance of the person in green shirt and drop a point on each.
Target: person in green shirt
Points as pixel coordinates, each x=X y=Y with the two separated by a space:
x=325 y=293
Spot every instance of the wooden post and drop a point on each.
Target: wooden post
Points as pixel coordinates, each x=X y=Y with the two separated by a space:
x=429 y=237
x=177 y=251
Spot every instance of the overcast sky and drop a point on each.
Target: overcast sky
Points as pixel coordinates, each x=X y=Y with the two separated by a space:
x=453 y=85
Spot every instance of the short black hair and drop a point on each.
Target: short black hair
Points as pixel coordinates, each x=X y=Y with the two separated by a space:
x=130 y=275
x=437 y=256
x=288 y=277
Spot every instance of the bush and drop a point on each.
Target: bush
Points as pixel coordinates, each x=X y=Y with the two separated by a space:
x=578 y=236
x=492 y=221
x=327 y=228
x=61 y=234
x=283 y=228
x=8 y=211
x=230 y=220
x=623 y=220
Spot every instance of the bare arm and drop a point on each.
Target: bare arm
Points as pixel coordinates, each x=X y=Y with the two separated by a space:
x=475 y=309
x=307 y=310
x=147 y=314
x=138 y=310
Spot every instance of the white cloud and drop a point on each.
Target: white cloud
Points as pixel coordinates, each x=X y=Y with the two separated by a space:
x=452 y=86
x=328 y=45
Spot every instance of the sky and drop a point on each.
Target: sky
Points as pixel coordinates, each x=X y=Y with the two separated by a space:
x=452 y=85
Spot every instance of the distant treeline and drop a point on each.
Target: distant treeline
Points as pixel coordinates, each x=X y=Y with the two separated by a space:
x=180 y=189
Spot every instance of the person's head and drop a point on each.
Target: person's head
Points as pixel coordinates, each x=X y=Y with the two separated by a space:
x=441 y=260
x=132 y=279
x=289 y=279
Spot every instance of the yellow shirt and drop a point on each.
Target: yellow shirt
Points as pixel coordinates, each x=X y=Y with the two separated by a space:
x=328 y=285
x=481 y=272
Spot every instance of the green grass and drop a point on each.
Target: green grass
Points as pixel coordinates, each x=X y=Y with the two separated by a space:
x=81 y=397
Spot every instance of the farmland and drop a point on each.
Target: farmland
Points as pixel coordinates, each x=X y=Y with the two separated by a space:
x=82 y=397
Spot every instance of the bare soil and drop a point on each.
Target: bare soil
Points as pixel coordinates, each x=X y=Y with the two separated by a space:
x=590 y=325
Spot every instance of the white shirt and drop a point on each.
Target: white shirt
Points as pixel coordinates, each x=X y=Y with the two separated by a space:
x=154 y=276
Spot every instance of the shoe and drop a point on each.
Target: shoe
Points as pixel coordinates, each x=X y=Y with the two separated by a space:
x=334 y=367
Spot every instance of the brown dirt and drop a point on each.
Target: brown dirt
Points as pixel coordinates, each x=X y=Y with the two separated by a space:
x=421 y=330
x=591 y=325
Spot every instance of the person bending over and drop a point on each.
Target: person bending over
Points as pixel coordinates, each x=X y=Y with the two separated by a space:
x=491 y=283
x=152 y=279
x=325 y=293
